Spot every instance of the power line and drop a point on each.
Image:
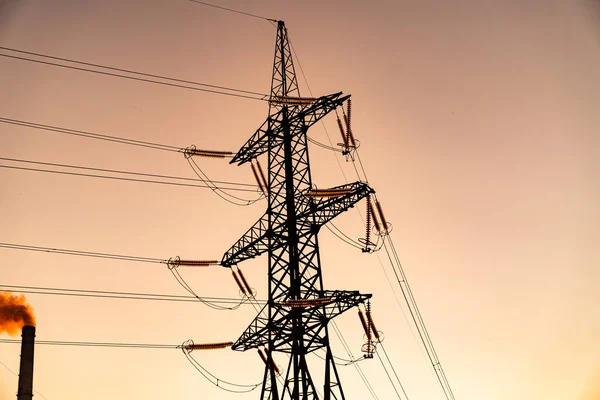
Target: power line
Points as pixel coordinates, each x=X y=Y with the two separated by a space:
x=393 y=370
x=233 y=92
x=410 y=300
x=122 y=172
x=224 y=195
x=119 y=345
x=98 y=344
x=437 y=365
x=316 y=142
x=389 y=377
x=237 y=388
x=331 y=146
x=115 y=295
x=90 y=135
x=362 y=375
x=418 y=319
x=15 y=374
x=232 y=10
x=132 y=72
x=81 y=253
x=130 y=179
x=206 y=301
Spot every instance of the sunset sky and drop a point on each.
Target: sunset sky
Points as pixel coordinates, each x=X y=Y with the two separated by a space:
x=479 y=129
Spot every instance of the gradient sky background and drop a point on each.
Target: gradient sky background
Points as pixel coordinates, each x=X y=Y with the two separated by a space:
x=479 y=129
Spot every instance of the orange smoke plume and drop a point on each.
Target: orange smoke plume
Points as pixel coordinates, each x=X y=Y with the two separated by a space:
x=15 y=312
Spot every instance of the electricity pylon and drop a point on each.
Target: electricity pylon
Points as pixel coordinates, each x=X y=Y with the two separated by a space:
x=295 y=319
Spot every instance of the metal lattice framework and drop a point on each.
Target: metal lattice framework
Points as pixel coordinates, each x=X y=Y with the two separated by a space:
x=295 y=319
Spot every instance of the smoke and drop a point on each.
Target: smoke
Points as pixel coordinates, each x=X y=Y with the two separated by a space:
x=14 y=313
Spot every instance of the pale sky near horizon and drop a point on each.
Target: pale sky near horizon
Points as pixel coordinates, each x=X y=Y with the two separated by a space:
x=479 y=131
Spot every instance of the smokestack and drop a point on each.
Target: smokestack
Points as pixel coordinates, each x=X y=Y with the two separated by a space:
x=26 y=370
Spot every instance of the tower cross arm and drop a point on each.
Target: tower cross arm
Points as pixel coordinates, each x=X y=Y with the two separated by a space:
x=252 y=244
x=329 y=305
x=259 y=142
x=325 y=209
x=343 y=300
x=256 y=240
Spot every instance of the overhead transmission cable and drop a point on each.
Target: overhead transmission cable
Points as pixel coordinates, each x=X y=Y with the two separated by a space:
x=223 y=185
x=406 y=318
x=97 y=344
x=393 y=369
x=220 y=383
x=124 y=172
x=211 y=302
x=15 y=374
x=211 y=184
x=331 y=146
x=222 y=193
x=340 y=361
x=102 y=294
x=90 y=135
x=417 y=318
x=410 y=301
x=341 y=337
x=138 y=76
x=342 y=236
x=413 y=308
x=121 y=257
x=362 y=375
x=217 y=381
x=234 y=11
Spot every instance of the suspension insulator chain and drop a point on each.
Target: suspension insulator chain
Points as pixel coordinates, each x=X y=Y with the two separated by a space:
x=368 y=226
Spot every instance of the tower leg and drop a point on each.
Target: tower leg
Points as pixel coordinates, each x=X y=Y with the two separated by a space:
x=269 y=386
x=332 y=387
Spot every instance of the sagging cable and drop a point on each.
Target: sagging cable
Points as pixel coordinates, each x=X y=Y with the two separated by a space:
x=174 y=263
x=339 y=361
x=223 y=194
x=187 y=348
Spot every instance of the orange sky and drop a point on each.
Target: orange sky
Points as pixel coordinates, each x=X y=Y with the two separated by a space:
x=479 y=130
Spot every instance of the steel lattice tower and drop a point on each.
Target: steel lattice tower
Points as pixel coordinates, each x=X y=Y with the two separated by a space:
x=295 y=319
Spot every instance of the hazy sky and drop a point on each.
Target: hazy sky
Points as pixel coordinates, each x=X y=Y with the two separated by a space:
x=478 y=125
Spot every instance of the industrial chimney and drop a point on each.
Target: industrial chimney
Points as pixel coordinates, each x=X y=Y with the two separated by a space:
x=26 y=370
